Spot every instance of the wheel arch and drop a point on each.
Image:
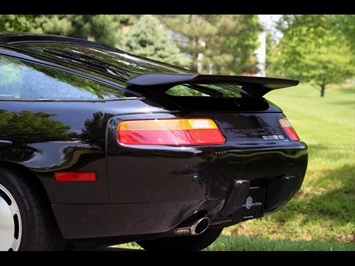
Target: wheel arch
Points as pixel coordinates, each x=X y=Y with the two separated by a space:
x=19 y=169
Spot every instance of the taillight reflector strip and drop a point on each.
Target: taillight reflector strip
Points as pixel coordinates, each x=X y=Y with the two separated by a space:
x=177 y=132
x=75 y=176
x=289 y=130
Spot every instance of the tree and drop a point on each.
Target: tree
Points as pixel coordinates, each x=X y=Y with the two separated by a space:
x=106 y=29
x=313 y=49
x=101 y=28
x=52 y=24
x=345 y=25
x=149 y=38
x=16 y=22
x=219 y=44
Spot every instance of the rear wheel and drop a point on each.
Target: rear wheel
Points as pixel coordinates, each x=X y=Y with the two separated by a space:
x=26 y=220
x=182 y=243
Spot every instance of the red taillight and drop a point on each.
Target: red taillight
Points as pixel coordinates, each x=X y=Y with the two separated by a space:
x=286 y=125
x=75 y=176
x=177 y=132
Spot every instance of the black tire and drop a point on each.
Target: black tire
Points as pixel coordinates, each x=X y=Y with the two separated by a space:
x=26 y=220
x=181 y=243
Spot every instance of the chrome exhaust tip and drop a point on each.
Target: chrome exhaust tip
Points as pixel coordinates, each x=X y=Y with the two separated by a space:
x=196 y=228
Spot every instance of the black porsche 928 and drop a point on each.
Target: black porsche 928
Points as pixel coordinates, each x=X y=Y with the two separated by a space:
x=100 y=147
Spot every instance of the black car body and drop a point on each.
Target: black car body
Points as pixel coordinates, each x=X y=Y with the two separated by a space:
x=101 y=147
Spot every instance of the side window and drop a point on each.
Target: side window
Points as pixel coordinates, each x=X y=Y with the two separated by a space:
x=24 y=80
x=10 y=79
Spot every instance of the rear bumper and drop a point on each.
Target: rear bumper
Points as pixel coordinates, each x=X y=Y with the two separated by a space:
x=237 y=186
x=120 y=220
x=242 y=202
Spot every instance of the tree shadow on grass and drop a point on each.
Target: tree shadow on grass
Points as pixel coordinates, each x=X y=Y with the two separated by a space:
x=334 y=197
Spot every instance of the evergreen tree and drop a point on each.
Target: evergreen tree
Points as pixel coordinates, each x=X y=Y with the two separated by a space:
x=149 y=38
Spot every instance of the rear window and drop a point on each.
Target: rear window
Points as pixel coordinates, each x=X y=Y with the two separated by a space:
x=25 y=80
x=124 y=65
x=205 y=90
x=214 y=97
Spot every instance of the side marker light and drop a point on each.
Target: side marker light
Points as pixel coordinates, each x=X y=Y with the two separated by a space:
x=75 y=176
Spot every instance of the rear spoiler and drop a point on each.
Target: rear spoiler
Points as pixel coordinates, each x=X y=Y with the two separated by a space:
x=257 y=86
